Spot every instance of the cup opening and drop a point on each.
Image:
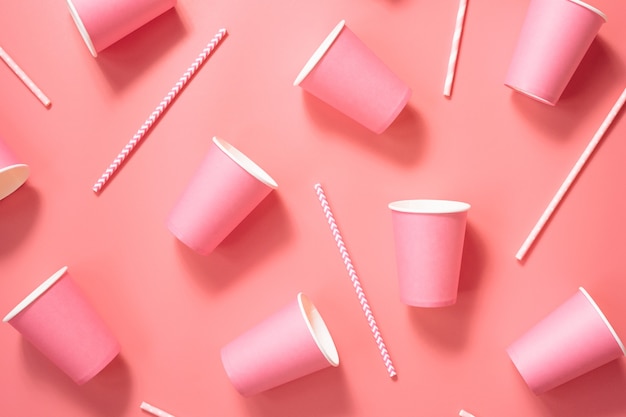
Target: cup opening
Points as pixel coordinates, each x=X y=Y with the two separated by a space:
x=603 y=317
x=531 y=95
x=589 y=7
x=429 y=206
x=42 y=288
x=12 y=178
x=318 y=329
x=81 y=28
x=245 y=162
x=319 y=53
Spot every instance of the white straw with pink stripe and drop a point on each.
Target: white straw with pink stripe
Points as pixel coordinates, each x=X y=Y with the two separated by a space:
x=355 y=280
x=571 y=176
x=25 y=78
x=454 y=52
x=160 y=109
x=154 y=410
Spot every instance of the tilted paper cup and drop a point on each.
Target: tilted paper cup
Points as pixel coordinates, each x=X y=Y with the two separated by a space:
x=224 y=190
x=59 y=321
x=555 y=36
x=346 y=74
x=429 y=237
x=291 y=343
x=13 y=173
x=101 y=23
x=571 y=341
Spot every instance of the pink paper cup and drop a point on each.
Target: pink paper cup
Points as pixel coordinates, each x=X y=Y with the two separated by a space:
x=291 y=343
x=347 y=75
x=429 y=237
x=555 y=36
x=224 y=190
x=13 y=173
x=59 y=321
x=101 y=23
x=571 y=341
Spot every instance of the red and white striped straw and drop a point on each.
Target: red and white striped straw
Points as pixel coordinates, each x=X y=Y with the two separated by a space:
x=454 y=52
x=160 y=109
x=154 y=410
x=571 y=177
x=355 y=280
x=25 y=78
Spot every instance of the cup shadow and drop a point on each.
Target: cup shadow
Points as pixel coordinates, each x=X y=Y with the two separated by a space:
x=403 y=141
x=131 y=56
x=261 y=232
x=106 y=394
x=18 y=213
x=449 y=327
x=593 y=79
x=323 y=393
x=597 y=393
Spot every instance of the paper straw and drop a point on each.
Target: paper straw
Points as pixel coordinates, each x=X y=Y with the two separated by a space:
x=154 y=410
x=464 y=413
x=355 y=280
x=160 y=109
x=25 y=79
x=571 y=177
x=454 y=52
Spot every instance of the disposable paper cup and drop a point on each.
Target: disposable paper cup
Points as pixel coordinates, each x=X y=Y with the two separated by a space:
x=13 y=173
x=346 y=74
x=571 y=341
x=224 y=190
x=101 y=23
x=555 y=36
x=291 y=343
x=429 y=237
x=59 y=321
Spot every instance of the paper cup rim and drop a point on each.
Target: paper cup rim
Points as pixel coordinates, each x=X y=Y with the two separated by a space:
x=22 y=178
x=244 y=162
x=81 y=28
x=426 y=206
x=319 y=52
x=604 y=319
x=318 y=329
x=591 y=8
x=38 y=292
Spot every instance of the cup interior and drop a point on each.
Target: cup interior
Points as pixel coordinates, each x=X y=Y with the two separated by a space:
x=603 y=317
x=81 y=28
x=429 y=206
x=589 y=7
x=41 y=289
x=318 y=329
x=12 y=178
x=245 y=162
x=319 y=53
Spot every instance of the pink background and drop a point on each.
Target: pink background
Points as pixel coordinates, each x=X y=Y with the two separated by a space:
x=173 y=310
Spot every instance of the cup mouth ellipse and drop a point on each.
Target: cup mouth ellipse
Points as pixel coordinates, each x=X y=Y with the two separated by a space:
x=17 y=175
x=318 y=329
x=591 y=8
x=319 y=53
x=38 y=292
x=81 y=28
x=604 y=319
x=244 y=162
x=426 y=206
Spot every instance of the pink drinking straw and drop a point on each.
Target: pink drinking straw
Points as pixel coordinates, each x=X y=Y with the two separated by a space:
x=25 y=78
x=454 y=52
x=355 y=280
x=571 y=177
x=154 y=410
x=160 y=109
